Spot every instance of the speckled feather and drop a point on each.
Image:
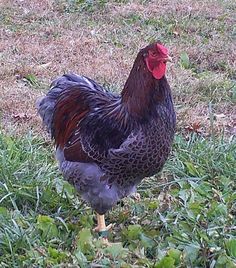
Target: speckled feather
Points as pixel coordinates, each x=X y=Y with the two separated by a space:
x=105 y=144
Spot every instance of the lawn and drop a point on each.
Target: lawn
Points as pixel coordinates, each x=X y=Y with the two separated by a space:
x=187 y=213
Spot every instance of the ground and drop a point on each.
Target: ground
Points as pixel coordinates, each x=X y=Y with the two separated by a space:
x=186 y=216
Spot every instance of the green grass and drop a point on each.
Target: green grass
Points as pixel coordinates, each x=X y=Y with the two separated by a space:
x=186 y=216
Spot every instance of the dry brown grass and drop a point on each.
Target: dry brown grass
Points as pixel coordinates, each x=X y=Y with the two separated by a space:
x=48 y=38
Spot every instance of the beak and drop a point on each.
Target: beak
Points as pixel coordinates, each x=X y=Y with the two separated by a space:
x=168 y=58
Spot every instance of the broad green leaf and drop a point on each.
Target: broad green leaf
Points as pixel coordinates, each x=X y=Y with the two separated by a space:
x=234 y=93
x=146 y=242
x=116 y=250
x=191 y=252
x=55 y=254
x=4 y=212
x=64 y=188
x=81 y=259
x=85 y=240
x=134 y=231
x=47 y=226
x=184 y=60
x=166 y=262
x=196 y=208
x=86 y=220
x=175 y=254
x=153 y=205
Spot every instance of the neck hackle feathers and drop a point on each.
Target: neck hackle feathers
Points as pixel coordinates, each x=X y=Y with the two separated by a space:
x=143 y=87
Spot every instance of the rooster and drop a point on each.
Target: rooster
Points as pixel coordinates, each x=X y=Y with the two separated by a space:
x=106 y=143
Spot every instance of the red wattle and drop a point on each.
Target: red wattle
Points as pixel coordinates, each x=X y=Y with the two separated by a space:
x=159 y=70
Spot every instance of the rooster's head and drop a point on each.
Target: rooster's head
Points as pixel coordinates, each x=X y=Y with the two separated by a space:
x=156 y=56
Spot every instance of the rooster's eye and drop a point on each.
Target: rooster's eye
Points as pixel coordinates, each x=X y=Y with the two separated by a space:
x=154 y=54
x=145 y=54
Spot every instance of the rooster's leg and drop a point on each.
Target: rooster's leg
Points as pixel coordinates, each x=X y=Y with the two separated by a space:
x=102 y=229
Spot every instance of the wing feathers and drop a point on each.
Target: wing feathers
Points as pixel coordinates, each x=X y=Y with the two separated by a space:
x=70 y=109
x=84 y=119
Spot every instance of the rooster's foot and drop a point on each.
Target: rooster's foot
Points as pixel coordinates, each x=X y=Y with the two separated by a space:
x=102 y=229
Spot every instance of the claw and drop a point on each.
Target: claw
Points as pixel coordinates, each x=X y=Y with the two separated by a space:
x=106 y=229
x=136 y=196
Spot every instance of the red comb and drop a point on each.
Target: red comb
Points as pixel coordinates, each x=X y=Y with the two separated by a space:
x=163 y=50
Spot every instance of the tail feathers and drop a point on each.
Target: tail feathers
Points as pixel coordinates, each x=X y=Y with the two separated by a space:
x=73 y=79
x=46 y=105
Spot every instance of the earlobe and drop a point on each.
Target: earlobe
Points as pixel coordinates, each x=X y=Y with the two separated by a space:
x=149 y=65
